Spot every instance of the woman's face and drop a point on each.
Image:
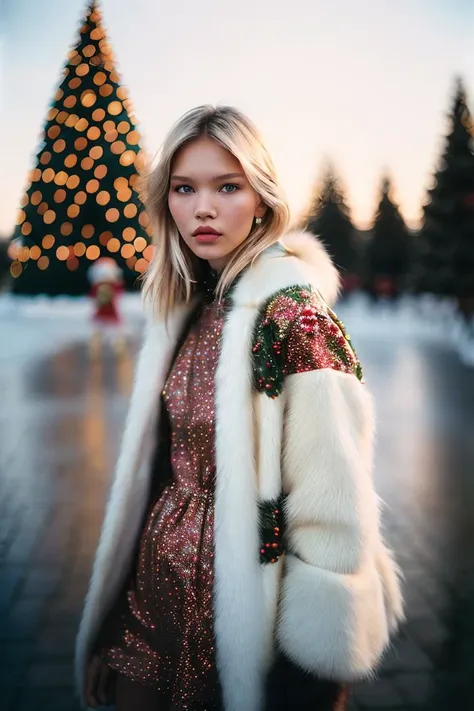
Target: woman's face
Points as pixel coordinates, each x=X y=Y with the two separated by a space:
x=209 y=189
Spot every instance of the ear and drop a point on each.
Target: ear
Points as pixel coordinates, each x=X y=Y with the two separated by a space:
x=261 y=210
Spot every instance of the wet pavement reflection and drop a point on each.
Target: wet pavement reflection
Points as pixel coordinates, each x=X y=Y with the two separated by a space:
x=61 y=419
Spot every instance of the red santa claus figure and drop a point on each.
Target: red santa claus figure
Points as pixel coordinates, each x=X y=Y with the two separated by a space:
x=105 y=277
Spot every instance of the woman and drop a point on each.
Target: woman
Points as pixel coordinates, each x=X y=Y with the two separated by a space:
x=241 y=565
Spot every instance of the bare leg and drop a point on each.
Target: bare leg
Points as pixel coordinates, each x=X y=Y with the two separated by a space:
x=132 y=696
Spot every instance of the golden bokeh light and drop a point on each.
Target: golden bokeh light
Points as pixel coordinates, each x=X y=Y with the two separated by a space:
x=70 y=101
x=52 y=113
x=42 y=208
x=129 y=234
x=79 y=249
x=123 y=127
x=141 y=265
x=111 y=136
x=140 y=244
x=59 y=145
x=35 y=252
x=45 y=157
x=73 y=182
x=130 y=210
x=62 y=253
x=73 y=211
x=100 y=78
x=36 y=197
x=26 y=228
x=71 y=120
x=43 y=263
x=71 y=160
x=93 y=133
x=80 y=197
x=97 y=33
x=16 y=269
x=127 y=251
x=92 y=186
x=104 y=238
x=59 y=95
x=133 y=138
x=127 y=158
x=66 y=229
x=82 y=124
x=117 y=147
x=143 y=219
x=87 y=231
x=109 y=125
x=105 y=90
x=113 y=245
x=100 y=171
x=23 y=254
x=48 y=241
x=98 y=114
x=82 y=70
x=60 y=195
x=75 y=60
x=120 y=183
x=48 y=175
x=75 y=83
x=88 y=50
x=114 y=76
x=35 y=175
x=88 y=98
x=115 y=108
x=112 y=214
x=87 y=163
x=62 y=116
x=24 y=201
x=72 y=263
x=61 y=178
x=103 y=198
x=148 y=252
x=93 y=252
x=124 y=195
x=49 y=217
x=54 y=131
x=131 y=261
x=122 y=93
x=96 y=152
x=80 y=143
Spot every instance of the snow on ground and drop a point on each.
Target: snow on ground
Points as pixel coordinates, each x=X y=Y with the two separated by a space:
x=32 y=326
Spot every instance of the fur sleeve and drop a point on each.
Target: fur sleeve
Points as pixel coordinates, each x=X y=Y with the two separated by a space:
x=340 y=594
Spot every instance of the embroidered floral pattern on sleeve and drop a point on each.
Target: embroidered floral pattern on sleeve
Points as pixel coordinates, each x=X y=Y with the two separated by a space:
x=298 y=332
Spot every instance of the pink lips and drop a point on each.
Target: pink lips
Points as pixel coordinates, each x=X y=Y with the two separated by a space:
x=206 y=237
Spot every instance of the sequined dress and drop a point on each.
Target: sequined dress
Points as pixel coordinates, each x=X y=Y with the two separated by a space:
x=164 y=634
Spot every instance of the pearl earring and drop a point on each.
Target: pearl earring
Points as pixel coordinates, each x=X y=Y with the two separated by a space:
x=258 y=220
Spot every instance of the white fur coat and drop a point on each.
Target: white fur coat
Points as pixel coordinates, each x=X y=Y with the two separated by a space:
x=333 y=601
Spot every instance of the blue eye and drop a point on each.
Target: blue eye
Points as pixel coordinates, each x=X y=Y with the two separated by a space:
x=231 y=185
x=178 y=189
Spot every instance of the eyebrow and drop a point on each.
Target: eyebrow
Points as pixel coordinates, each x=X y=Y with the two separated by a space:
x=215 y=178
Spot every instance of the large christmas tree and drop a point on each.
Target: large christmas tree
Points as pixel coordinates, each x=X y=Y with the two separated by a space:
x=330 y=220
x=81 y=201
x=446 y=264
x=387 y=257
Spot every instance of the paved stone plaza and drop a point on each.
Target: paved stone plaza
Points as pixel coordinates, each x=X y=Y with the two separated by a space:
x=61 y=417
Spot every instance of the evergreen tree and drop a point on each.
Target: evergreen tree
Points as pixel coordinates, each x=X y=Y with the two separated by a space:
x=387 y=254
x=329 y=219
x=82 y=200
x=446 y=264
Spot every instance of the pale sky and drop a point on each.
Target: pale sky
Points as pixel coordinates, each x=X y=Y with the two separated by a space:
x=366 y=83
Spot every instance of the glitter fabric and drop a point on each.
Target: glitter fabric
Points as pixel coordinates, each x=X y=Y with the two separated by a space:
x=166 y=630
x=298 y=332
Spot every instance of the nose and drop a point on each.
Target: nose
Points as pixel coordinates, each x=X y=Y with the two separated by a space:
x=204 y=207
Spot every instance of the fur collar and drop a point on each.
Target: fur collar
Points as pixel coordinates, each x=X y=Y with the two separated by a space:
x=297 y=258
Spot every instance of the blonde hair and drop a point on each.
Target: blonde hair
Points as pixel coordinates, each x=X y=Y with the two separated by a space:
x=172 y=275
